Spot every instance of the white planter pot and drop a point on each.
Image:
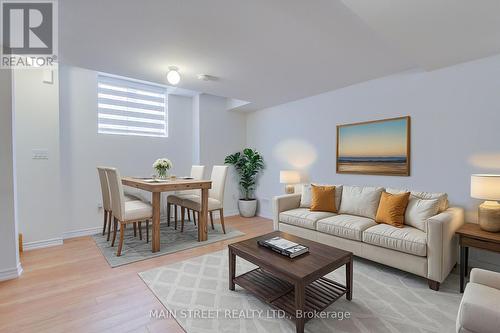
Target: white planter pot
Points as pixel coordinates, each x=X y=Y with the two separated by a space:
x=247 y=207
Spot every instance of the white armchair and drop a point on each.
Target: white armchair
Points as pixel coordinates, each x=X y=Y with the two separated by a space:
x=479 y=310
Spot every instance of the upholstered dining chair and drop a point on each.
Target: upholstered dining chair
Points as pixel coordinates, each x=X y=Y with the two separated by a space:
x=106 y=200
x=175 y=200
x=215 y=197
x=125 y=212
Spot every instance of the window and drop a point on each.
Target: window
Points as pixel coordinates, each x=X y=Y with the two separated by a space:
x=130 y=107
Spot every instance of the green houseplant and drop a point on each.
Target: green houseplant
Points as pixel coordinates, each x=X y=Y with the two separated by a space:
x=248 y=164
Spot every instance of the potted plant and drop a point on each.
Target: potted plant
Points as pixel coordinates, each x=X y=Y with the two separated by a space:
x=248 y=164
x=162 y=165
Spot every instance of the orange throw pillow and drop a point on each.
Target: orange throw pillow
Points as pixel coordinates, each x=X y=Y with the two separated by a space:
x=323 y=199
x=392 y=208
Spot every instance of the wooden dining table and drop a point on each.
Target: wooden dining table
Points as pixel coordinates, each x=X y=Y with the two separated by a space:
x=170 y=185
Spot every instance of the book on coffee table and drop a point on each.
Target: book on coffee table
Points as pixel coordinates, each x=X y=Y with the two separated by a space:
x=284 y=247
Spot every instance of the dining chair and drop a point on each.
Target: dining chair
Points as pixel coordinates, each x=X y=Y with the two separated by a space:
x=215 y=197
x=106 y=201
x=175 y=200
x=125 y=212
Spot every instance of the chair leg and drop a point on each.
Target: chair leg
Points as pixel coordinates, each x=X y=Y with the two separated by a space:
x=120 y=245
x=212 y=219
x=175 y=216
x=105 y=222
x=135 y=229
x=115 y=227
x=182 y=219
x=189 y=214
x=168 y=214
x=140 y=230
x=222 y=220
x=147 y=231
x=194 y=217
x=110 y=223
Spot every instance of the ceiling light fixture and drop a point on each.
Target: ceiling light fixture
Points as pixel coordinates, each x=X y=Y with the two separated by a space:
x=206 y=77
x=173 y=75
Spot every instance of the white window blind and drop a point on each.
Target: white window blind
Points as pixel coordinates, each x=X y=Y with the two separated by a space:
x=130 y=107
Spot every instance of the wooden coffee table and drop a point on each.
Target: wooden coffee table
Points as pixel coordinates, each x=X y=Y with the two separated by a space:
x=296 y=286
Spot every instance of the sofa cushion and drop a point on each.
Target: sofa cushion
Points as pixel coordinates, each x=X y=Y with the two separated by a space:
x=407 y=239
x=345 y=226
x=306 y=195
x=302 y=217
x=361 y=201
x=478 y=310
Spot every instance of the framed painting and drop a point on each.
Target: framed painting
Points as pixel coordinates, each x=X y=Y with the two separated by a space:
x=380 y=147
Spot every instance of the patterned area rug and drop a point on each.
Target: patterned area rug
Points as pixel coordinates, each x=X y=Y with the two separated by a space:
x=171 y=240
x=196 y=293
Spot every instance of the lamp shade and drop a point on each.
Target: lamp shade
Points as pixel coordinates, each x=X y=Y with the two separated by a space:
x=289 y=177
x=486 y=187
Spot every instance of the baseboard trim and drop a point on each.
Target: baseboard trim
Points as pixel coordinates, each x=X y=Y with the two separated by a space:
x=41 y=244
x=82 y=232
x=231 y=212
x=11 y=273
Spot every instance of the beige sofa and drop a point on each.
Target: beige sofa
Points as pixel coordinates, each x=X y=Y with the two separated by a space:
x=479 y=310
x=425 y=246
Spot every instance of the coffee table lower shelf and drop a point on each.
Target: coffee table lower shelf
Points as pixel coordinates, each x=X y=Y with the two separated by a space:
x=281 y=294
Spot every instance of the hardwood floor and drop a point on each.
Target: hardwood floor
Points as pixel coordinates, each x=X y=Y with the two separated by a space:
x=71 y=288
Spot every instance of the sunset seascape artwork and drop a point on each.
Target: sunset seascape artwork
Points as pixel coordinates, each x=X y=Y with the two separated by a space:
x=379 y=147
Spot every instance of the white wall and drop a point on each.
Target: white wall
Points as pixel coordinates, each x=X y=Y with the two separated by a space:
x=83 y=149
x=38 y=181
x=222 y=133
x=9 y=255
x=455 y=117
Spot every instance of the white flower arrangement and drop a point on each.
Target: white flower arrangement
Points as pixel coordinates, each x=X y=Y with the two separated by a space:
x=162 y=163
x=161 y=166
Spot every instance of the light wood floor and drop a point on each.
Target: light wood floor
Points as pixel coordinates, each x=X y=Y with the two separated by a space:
x=71 y=288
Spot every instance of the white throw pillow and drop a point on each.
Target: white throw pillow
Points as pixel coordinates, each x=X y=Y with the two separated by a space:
x=361 y=201
x=306 y=197
x=440 y=196
x=419 y=210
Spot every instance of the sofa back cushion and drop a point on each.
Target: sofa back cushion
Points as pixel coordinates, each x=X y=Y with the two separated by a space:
x=361 y=201
x=422 y=206
x=305 y=199
x=440 y=196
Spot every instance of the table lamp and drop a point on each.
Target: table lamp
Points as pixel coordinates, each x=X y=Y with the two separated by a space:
x=289 y=177
x=487 y=187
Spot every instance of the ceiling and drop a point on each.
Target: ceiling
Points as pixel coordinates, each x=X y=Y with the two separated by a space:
x=269 y=52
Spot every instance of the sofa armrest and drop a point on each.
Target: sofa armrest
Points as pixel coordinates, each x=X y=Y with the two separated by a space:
x=283 y=203
x=442 y=243
x=486 y=278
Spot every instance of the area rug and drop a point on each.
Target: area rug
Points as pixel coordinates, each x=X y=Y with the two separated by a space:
x=196 y=294
x=171 y=240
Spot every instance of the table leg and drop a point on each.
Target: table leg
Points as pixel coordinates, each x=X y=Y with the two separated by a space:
x=202 y=218
x=466 y=261
x=348 y=279
x=462 y=267
x=300 y=300
x=232 y=269
x=156 y=221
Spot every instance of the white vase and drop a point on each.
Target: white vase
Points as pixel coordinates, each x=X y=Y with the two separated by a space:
x=247 y=208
